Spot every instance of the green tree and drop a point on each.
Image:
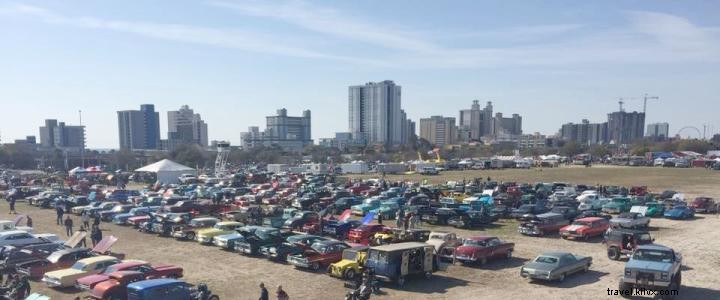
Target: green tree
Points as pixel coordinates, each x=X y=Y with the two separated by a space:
x=571 y=148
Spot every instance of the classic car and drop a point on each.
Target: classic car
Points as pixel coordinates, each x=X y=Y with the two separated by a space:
x=205 y=236
x=137 y=220
x=364 y=233
x=543 y=224
x=443 y=242
x=471 y=219
x=344 y=203
x=654 y=209
x=479 y=249
x=122 y=219
x=7 y=225
x=188 y=231
x=585 y=228
x=162 y=224
x=293 y=245
x=163 y=289
x=624 y=241
x=107 y=215
x=60 y=259
x=555 y=266
x=680 y=212
x=653 y=267
x=703 y=205
x=339 y=229
x=351 y=264
x=20 y=238
x=115 y=286
x=227 y=241
x=387 y=261
x=148 y=270
x=86 y=266
x=568 y=212
x=595 y=204
x=389 y=208
x=594 y=213
x=79 y=209
x=440 y=216
x=320 y=254
x=630 y=220
x=263 y=236
x=93 y=211
x=527 y=209
x=367 y=205
x=399 y=235
x=300 y=219
x=617 y=205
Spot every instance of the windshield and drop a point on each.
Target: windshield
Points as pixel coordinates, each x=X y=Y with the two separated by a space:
x=349 y=255
x=645 y=238
x=468 y=242
x=78 y=265
x=581 y=223
x=320 y=248
x=653 y=255
x=546 y=260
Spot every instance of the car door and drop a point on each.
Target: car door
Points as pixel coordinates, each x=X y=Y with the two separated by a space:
x=571 y=264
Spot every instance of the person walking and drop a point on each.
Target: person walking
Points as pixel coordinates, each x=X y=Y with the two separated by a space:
x=406 y=222
x=84 y=232
x=68 y=226
x=398 y=218
x=12 y=204
x=263 y=292
x=281 y=294
x=414 y=219
x=96 y=221
x=95 y=235
x=380 y=218
x=28 y=222
x=59 y=212
x=85 y=219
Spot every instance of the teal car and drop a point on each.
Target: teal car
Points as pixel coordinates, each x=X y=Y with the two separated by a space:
x=654 y=209
x=617 y=205
x=389 y=208
x=367 y=205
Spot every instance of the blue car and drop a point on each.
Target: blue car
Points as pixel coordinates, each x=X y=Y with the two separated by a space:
x=121 y=219
x=163 y=289
x=680 y=212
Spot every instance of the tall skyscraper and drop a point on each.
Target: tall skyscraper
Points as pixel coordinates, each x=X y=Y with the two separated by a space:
x=139 y=129
x=658 y=131
x=375 y=114
x=47 y=133
x=186 y=127
x=506 y=127
x=58 y=135
x=292 y=133
x=625 y=127
x=438 y=130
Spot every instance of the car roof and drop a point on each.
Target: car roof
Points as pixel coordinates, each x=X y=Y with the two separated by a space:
x=554 y=253
x=628 y=231
x=480 y=238
x=655 y=247
x=549 y=215
x=329 y=242
x=590 y=219
x=228 y=223
x=11 y=232
x=95 y=259
x=129 y=263
x=152 y=283
x=205 y=219
x=400 y=246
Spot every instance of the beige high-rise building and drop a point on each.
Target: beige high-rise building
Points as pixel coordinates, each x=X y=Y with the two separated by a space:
x=438 y=130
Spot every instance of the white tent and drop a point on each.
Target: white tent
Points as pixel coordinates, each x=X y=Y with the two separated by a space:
x=167 y=170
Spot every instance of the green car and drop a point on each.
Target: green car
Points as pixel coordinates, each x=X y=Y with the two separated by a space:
x=641 y=200
x=617 y=205
x=367 y=205
x=388 y=209
x=654 y=209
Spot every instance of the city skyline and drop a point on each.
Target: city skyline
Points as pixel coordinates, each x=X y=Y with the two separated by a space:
x=551 y=63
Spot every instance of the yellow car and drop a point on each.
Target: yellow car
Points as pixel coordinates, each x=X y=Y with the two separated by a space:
x=205 y=236
x=351 y=264
x=84 y=267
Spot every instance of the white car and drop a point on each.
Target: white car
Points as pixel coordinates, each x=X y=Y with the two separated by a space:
x=22 y=238
x=443 y=241
x=6 y=225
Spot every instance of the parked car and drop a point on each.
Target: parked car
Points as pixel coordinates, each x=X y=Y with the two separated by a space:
x=585 y=228
x=344 y=203
x=630 y=220
x=568 y=212
x=680 y=212
x=264 y=236
x=227 y=241
x=163 y=289
x=86 y=266
x=555 y=266
x=189 y=231
x=115 y=287
x=617 y=205
x=595 y=204
x=703 y=205
x=594 y=213
x=654 y=209
x=293 y=245
x=364 y=233
x=121 y=219
x=367 y=205
x=351 y=265
x=320 y=254
x=528 y=209
x=107 y=215
x=443 y=242
x=205 y=236
x=149 y=271
x=471 y=218
x=480 y=249
x=7 y=225
x=339 y=229
x=620 y=242
x=543 y=224
x=300 y=219
x=387 y=261
x=20 y=238
x=440 y=216
x=653 y=267
x=36 y=267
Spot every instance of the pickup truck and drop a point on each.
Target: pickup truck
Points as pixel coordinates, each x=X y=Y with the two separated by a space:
x=261 y=237
x=631 y=220
x=653 y=267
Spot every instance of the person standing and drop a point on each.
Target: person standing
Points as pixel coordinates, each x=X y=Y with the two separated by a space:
x=68 y=226
x=96 y=221
x=60 y=212
x=12 y=205
x=29 y=221
x=398 y=218
x=406 y=221
x=281 y=294
x=380 y=218
x=414 y=220
x=85 y=219
x=263 y=292
x=95 y=235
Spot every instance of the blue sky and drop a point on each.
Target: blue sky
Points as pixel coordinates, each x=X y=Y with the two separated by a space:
x=236 y=62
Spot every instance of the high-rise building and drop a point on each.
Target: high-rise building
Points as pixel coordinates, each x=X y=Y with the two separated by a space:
x=139 y=129
x=61 y=136
x=625 y=127
x=506 y=127
x=291 y=133
x=585 y=133
x=186 y=127
x=659 y=131
x=375 y=114
x=438 y=130
x=474 y=123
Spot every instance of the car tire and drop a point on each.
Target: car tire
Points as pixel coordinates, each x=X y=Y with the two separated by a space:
x=214 y=297
x=613 y=253
x=678 y=279
x=625 y=287
x=349 y=274
x=191 y=236
x=428 y=275
x=315 y=266
x=508 y=255
x=401 y=281
x=561 y=278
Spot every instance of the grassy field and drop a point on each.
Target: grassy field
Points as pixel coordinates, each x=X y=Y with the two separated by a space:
x=691 y=181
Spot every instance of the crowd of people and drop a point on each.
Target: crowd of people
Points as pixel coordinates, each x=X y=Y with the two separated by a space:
x=95 y=232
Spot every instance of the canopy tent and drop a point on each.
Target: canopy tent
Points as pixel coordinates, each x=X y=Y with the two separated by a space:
x=167 y=170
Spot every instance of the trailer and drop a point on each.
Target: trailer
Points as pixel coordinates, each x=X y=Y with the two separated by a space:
x=391 y=168
x=359 y=167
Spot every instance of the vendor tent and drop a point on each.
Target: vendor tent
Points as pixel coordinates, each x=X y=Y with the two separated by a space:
x=167 y=170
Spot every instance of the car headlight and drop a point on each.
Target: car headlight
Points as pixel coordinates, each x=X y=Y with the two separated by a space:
x=628 y=272
x=664 y=275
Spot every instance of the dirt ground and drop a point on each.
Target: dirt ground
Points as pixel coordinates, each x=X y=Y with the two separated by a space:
x=234 y=276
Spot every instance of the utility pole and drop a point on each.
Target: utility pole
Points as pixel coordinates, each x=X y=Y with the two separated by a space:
x=82 y=148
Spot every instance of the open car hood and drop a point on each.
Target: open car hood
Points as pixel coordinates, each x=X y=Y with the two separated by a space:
x=105 y=244
x=75 y=239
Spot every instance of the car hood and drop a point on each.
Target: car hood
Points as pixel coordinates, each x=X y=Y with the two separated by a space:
x=211 y=231
x=620 y=220
x=92 y=279
x=232 y=236
x=673 y=212
x=123 y=215
x=648 y=265
x=539 y=266
x=573 y=228
x=64 y=272
x=344 y=263
x=466 y=250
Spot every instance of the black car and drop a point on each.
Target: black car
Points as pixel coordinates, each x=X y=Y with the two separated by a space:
x=593 y=213
x=502 y=211
x=344 y=203
x=339 y=229
x=440 y=216
x=567 y=211
x=527 y=209
x=470 y=219
x=293 y=245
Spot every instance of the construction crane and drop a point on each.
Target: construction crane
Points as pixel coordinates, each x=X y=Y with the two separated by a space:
x=646 y=98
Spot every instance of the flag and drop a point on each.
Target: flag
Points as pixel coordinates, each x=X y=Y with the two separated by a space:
x=368 y=217
x=345 y=215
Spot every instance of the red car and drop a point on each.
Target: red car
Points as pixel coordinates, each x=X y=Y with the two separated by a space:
x=703 y=205
x=115 y=287
x=320 y=254
x=136 y=221
x=63 y=259
x=585 y=228
x=358 y=188
x=364 y=233
x=149 y=271
x=480 y=249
